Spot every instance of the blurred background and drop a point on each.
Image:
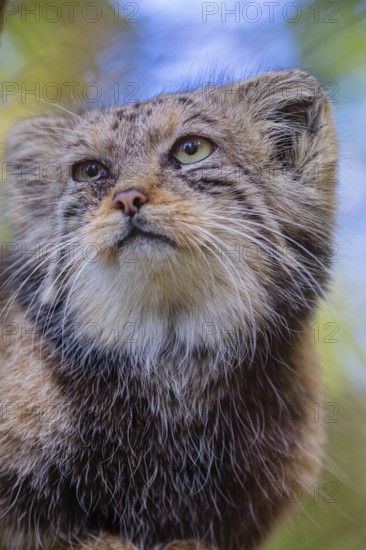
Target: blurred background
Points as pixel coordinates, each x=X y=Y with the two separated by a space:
x=53 y=54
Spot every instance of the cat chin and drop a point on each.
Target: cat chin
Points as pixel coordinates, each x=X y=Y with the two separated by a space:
x=140 y=250
x=146 y=312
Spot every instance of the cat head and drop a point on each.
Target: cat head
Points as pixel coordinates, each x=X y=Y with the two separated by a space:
x=193 y=219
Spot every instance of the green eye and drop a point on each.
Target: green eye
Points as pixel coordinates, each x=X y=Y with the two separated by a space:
x=89 y=170
x=192 y=149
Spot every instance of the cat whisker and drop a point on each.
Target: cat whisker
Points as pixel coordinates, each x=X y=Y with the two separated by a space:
x=275 y=249
x=311 y=255
x=237 y=284
x=53 y=104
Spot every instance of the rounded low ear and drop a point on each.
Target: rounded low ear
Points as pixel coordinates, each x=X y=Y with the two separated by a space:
x=292 y=113
x=32 y=166
x=32 y=137
x=31 y=147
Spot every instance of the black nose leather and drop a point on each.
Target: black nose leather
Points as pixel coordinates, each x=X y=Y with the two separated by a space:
x=129 y=201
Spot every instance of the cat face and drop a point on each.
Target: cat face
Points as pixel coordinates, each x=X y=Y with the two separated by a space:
x=205 y=215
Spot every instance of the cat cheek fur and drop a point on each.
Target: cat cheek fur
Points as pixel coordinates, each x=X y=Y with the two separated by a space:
x=182 y=380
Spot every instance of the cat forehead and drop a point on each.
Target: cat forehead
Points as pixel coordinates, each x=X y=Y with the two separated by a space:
x=164 y=118
x=163 y=105
x=163 y=112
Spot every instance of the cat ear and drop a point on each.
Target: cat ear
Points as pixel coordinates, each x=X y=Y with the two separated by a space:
x=33 y=156
x=33 y=166
x=291 y=113
x=33 y=138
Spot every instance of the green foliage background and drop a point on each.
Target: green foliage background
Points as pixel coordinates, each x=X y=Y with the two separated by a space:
x=44 y=52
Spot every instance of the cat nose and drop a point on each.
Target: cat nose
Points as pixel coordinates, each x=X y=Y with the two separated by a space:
x=129 y=201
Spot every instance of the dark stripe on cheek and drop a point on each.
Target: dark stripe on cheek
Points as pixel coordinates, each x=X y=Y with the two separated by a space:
x=217 y=182
x=71 y=211
x=208 y=184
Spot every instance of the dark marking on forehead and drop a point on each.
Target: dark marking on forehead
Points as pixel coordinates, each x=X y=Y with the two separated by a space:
x=201 y=118
x=115 y=125
x=184 y=100
x=110 y=146
x=126 y=116
x=158 y=101
x=154 y=134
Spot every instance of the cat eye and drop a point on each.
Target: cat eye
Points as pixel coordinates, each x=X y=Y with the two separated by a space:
x=89 y=170
x=192 y=149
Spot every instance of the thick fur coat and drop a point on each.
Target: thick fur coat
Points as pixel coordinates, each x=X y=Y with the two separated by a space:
x=156 y=371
